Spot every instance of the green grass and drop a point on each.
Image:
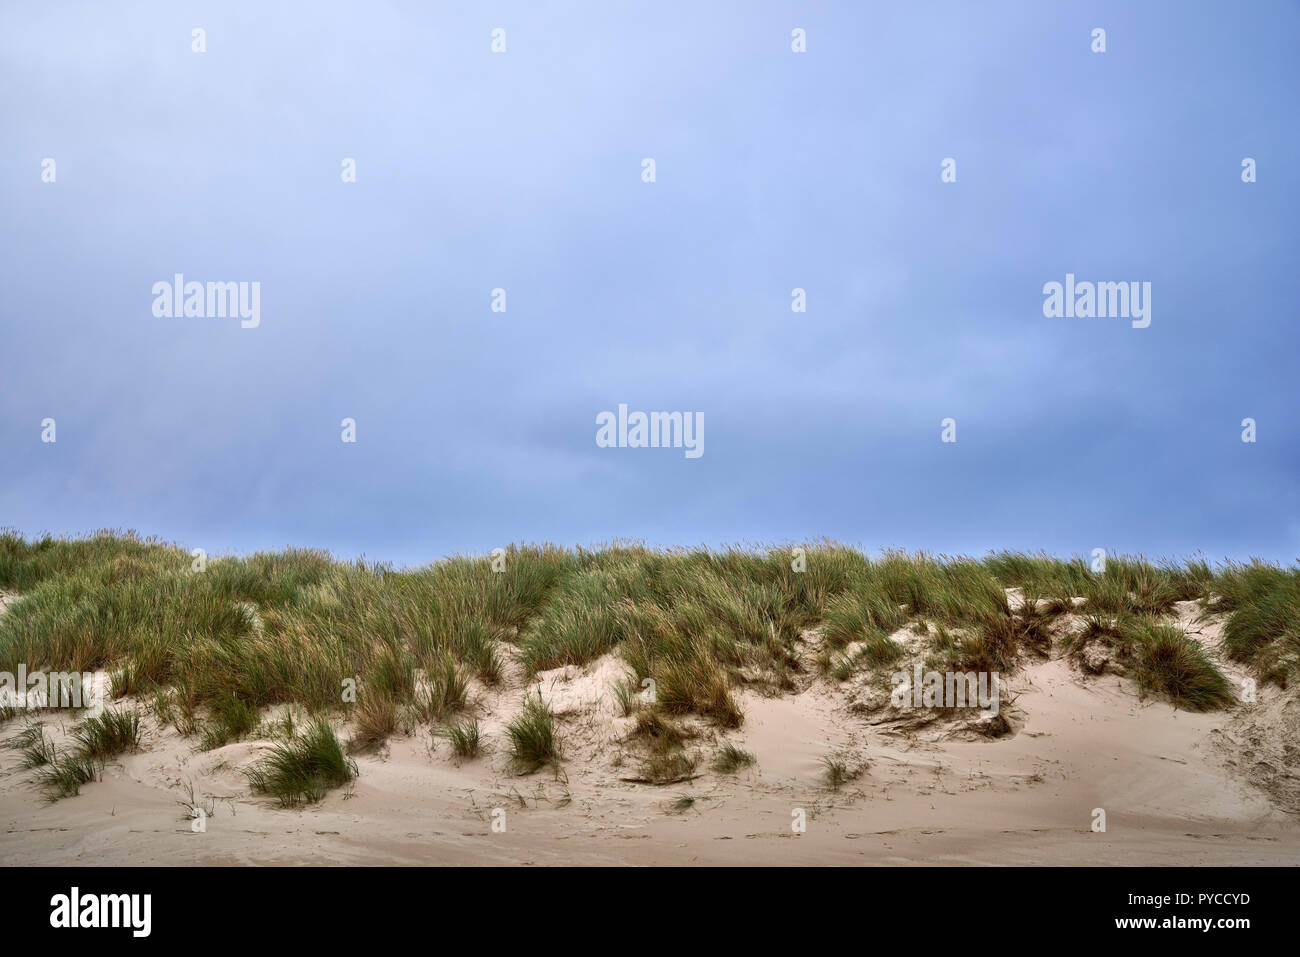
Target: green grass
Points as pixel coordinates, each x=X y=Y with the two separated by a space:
x=64 y=775
x=532 y=735
x=97 y=739
x=108 y=734
x=479 y=647
x=304 y=769
x=858 y=616
x=376 y=718
x=580 y=623
x=215 y=648
x=1170 y=663
x=464 y=738
x=664 y=760
x=731 y=759
x=232 y=718
x=1264 y=625
x=445 y=690
x=37 y=750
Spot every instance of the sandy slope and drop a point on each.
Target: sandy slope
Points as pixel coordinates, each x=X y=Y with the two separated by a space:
x=1177 y=788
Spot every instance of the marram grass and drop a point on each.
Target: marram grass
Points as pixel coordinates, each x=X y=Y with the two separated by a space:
x=532 y=735
x=303 y=769
x=215 y=647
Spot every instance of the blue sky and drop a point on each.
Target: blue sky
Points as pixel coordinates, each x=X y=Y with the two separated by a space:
x=774 y=170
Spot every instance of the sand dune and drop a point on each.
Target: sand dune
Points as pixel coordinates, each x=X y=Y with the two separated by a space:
x=1177 y=788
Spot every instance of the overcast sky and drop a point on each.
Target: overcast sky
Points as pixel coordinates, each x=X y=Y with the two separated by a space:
x=775 y=170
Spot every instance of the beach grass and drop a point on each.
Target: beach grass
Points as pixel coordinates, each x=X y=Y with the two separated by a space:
x=217 y=643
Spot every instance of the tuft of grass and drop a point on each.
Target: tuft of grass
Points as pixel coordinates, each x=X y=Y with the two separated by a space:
x=1118 y=633
x=838 y=772
x=665 y=761
x=532 y=735
x=691 y=679
x=377 y=719
x=64 y=775
x=98 y=739
x=108 y=734
x=445 y=690
x=668 y=766
x=464 y=738
x=1170 y=663
x=232 y=718
x=731 y=759
x=37 y=750
x=488 y=664
x=990 y=646
x=628 y=694
x=304 y=769
x=662 y=733
x=1035 y=619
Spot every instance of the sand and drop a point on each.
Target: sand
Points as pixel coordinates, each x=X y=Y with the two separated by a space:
x=1176 y=787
